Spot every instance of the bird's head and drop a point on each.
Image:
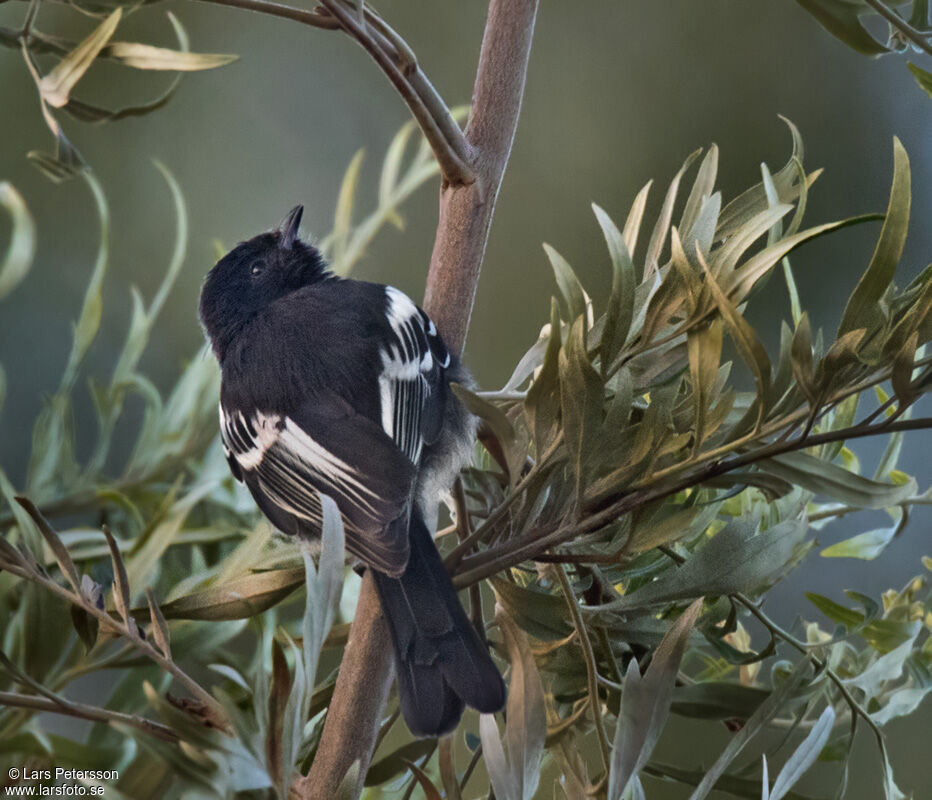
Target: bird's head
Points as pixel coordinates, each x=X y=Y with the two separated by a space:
x=254 y=274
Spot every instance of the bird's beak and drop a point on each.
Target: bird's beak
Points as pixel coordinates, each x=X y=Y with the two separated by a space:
x=288 y=229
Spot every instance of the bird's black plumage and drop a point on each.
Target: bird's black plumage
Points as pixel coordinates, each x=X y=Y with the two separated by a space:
x=341 y=387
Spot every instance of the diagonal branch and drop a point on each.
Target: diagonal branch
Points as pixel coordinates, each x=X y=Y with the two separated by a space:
x=536 y=542
x=917 y=37
x=396 y=59
x=119 y=626
x=466 y=209
x=399 y=65
x=84 y=711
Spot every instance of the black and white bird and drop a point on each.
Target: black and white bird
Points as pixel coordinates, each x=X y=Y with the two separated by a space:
x=341 y=387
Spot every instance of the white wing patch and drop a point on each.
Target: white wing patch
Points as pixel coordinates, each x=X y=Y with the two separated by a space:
x=248 y=440
x=403 y=386
x=286 y=460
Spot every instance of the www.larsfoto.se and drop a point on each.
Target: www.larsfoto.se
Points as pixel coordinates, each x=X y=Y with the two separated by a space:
x=34 y=782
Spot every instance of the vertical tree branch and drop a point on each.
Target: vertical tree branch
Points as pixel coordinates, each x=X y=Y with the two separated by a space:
x=359 y=697
x=466 y=210
x=462 y=231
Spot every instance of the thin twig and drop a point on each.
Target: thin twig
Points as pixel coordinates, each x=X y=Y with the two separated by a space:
x=464 y=532
x=459 y=552
x=313 y=18
x=820 y=663
x=471 y=766
x=514 y=551
x=917 y=37
x=452 y=156
x=843 y=511
x=395 y=58
x=592 y=672
x=121 y=628
x=713 y=455
x=83 y=711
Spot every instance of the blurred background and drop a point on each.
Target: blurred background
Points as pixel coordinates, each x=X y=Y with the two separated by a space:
x=617 y=93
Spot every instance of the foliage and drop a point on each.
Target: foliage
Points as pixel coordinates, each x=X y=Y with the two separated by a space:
x=631 y=509
x=845 y=19
x=74 y=59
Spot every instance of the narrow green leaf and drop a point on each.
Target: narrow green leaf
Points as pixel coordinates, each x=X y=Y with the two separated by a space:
x=88 y=323
x=827 y=479
x=725 y=259
x=796 y=311
x=144 y=56
x=635 y=216
x=572 y=295
x=747 y=276
x=883 y=635
x=758 y=722
x=901 y=376
x=920 y=16
x=645 y=704
x=738 y=558
x=542 y=404
x=121 y=590
x=862 y=309
x=719 y=700
x=391 y=167
x=802 y=362
x=159 y=626
x=493 y=752
x=343 y=216
x=620 y=310
x=324 y=585
x=923 y=78
x=238 y=598
x=753 y=201
x=430 y=791
x=867 y=546
x=499 y=423
x=526 y=712
x=750 y=347
x=21 y=250
x=705 y=354
x=279 y=690
x=528 y=364
x=701 y=235
x=841 y=19
x=542 y=615
x=86 y=626
x=62 y=556
x=581 y=394
x=57 y=85
x=804 y=756
x=396 y=762
x=702 y=188
x=662 y=226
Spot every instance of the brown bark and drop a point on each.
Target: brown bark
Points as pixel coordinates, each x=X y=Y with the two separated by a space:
x=462 y=232
x=466 y=211
x=355 y=713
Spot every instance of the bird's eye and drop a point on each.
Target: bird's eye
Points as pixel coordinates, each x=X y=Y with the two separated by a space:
x=258 y=268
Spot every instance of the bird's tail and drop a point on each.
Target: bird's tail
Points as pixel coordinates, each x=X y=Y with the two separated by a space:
x=441 y=662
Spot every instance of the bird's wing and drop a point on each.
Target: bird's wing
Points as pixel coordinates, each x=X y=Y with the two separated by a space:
x=325 y=447
x=411 y=389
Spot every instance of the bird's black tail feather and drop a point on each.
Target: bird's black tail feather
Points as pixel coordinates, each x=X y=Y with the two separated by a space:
x=441 y=662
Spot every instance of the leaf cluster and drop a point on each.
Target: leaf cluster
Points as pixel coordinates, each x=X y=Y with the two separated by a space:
x=631 y=507
x=626 y=451
x=845 y=19
x=72 y=60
